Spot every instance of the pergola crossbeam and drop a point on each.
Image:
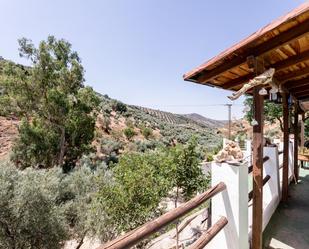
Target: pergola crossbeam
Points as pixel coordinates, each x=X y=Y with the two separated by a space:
x=273 y=43
x=280 y=65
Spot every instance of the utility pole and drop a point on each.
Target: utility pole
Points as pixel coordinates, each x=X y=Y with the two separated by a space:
x=230 y=118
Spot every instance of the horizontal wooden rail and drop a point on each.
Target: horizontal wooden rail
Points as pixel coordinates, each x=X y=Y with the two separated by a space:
x=250 y=168
x=206 y=237
x=265 y=180
x=133 y=237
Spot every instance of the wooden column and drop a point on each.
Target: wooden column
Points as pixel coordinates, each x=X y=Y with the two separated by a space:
x=257 y=206
x=285 y=170
x=296 y=136
x=302 y=131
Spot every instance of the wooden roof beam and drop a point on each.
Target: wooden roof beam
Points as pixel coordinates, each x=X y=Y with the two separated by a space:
x=306 y=98
x=302 y=94
x=273 y=43
x=293 y=75
x=291 y=85
x=293 y=60
x=299 y=89
x=280 y=65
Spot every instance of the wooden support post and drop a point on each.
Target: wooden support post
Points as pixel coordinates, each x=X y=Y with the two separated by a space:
x=285 y=170
x=257 y=205
x=302 y=131
x=296 y=135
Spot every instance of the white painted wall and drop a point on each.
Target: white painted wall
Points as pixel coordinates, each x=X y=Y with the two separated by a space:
x=231 y=203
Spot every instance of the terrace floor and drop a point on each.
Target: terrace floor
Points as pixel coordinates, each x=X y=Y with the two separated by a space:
x=289 y=226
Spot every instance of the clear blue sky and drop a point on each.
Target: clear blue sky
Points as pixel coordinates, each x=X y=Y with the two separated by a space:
x=137 y=50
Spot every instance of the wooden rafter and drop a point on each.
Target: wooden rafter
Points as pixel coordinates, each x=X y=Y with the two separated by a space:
x=300 y=90
x=305 y=98
x=280 y=65
x=302 y=94
x=293 y=75
x=291 y=85
x=273 y=43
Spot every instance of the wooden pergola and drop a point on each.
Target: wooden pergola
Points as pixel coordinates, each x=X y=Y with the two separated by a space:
x=284 y=46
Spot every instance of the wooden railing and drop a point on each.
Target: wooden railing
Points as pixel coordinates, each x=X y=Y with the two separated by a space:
x=250 y=168
x=265 y=180
x=205 y=238
x=135 y=236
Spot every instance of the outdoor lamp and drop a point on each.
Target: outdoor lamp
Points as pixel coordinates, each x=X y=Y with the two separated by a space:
x=263 y=91
x=254 y=122
x=273 y=94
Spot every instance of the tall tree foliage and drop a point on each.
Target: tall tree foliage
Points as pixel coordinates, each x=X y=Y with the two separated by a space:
x=29 y=217
x=272 y=111
x=141 y=180
x=57 y=111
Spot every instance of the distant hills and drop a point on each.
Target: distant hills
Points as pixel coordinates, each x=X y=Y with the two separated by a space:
x=206 y=121
x=167 y=128
x=193 y=118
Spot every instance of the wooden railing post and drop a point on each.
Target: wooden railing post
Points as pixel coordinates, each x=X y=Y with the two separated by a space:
x=296 y=135
x=285 y=170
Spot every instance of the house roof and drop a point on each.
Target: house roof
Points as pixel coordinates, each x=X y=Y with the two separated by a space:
x=282 y=44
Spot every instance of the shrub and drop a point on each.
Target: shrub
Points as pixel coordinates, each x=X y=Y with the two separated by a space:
x=147 y=132
x=28 y=214
x=119 y=106
x=110 y=148
x=40 y=209
x=140 y=181
x=129 y=133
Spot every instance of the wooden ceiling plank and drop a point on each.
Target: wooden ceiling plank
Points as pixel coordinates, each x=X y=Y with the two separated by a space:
x=278 y=66
x=273 y=43
x=293 y=75
x=300 y=90
x=291 y=85
x=295 y=59
x=303 y=94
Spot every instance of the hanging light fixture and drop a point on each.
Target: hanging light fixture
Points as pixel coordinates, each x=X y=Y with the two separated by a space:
x=254 y=122
x=273 y=90
x=279 y=99
x=263 y=91
x=273 y=94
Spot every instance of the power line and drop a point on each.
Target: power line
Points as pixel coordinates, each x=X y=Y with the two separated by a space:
x=195 y=105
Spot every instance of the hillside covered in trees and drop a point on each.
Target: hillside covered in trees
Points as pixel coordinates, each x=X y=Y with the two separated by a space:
x=75 y=164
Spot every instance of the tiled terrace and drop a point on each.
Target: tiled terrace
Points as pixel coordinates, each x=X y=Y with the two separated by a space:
x=289 y=226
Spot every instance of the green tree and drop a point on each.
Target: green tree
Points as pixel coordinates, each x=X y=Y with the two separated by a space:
x=272 y=111
x=40 y=209
x=307 y=127
x=50 y=98
x=29 y=217
x=187 y=176
x=140 y=181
